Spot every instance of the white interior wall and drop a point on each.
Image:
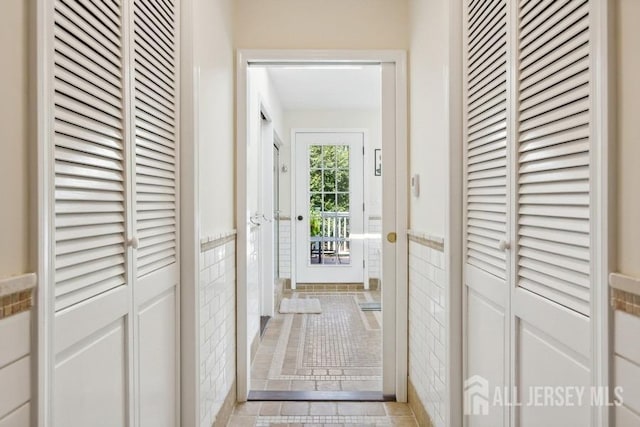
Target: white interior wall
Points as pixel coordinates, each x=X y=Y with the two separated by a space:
x=429 y=120
x=215 y=112
x=14 y=134
x=627 y=71
x=261 y=92
x=429 y=327
x=326 y=24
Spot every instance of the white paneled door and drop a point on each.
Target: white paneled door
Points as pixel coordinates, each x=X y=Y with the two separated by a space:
x=113 y=105
x=528 y=125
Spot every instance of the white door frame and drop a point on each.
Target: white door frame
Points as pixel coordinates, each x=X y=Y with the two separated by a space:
x=294 y=194
x=265 y=206
x=395 y=136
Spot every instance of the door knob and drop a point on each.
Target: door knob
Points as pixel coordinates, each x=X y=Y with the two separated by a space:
x=503 y=245
x=134 y=242
x=300 y=217
x=392 y=237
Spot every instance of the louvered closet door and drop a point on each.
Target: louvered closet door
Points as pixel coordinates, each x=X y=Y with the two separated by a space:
x=114 y=109
x=155 y=106
x=552 y=242
x=486 y=272
x=90 y=258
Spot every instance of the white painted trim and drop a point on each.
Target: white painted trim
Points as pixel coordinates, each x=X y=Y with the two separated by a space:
x=602 y=224
x=453 y=260
x=243 y=366
x=292 y=204
x=43 y=410
x=462 y=23
x=397 y=57
x=265 y=199
x=189 y=226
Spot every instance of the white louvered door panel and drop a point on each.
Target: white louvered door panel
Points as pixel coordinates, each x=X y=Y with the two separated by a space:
x=552 y=238
x=553 y=151
x=89 y=147
x=155 y=108
x=87 y=137
x=486 y=135
x=486 y=81
x=155 y=153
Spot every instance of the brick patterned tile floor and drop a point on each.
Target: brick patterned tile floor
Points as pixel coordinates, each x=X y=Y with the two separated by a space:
x=259 y=414
x=337 y=350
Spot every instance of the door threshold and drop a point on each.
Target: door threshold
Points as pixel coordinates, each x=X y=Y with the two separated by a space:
x=322 y=396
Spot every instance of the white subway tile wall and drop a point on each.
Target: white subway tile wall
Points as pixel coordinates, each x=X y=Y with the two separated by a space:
x=375 y=248
x=427 y=329
x=285 y=249
x=626 y=362
x=253 y=285
x=217 y=328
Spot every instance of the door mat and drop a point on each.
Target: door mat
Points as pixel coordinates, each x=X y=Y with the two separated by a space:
x=370 y=306
x=300 y=306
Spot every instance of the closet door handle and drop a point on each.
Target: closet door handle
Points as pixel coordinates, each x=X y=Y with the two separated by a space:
x=134 y=242
x=503 y=245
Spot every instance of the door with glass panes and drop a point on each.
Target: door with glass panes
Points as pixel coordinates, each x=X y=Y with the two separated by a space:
x=329 y=208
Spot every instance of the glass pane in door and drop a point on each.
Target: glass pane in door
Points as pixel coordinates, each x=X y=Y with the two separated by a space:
x=329 y=210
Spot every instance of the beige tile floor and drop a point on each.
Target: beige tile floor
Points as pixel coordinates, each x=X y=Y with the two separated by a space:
x=338 y=350
x=259 y=414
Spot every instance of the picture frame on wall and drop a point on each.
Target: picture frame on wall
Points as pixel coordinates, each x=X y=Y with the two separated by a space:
x=377 y=162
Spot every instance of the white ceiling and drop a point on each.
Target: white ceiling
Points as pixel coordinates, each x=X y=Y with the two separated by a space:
x=327 y=88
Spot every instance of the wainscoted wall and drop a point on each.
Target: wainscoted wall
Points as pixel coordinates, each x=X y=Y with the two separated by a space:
x=625 y=299
x=427 y=330
x=285 y=248
x=217 y=328
x=253 y=289
x=16 y=301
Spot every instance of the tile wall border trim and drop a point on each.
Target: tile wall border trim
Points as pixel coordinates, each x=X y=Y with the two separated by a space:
x=15 y=284
x=425 y=239
x=211 y=242
x=625 y=283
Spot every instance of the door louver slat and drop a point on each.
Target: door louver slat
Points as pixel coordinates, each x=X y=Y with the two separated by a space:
x=155 y=131
x=88 y=150
x=486 y=135
x=554 y=154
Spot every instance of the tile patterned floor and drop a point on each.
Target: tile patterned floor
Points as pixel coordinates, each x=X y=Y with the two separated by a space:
x=259 y=414
x=338 y=350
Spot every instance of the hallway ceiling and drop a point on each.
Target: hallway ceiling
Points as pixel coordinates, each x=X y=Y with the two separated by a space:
x=327 y=88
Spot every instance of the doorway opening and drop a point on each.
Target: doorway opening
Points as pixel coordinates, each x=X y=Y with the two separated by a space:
x=317 y=319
